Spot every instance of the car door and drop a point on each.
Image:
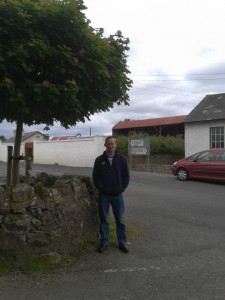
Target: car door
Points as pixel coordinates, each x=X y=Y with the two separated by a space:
x=217 y=166
x=199 y=168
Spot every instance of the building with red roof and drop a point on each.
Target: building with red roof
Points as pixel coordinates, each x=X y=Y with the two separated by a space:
x=159 y=126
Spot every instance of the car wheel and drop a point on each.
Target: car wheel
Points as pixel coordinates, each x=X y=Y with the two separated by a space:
x=182 y=174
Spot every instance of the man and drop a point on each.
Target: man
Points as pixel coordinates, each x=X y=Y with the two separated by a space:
x=111 y=178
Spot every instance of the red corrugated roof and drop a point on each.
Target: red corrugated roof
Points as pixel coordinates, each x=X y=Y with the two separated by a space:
x=64 y=138
x=150 y=122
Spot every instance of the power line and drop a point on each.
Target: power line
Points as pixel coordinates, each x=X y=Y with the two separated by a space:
x=206 y=74
x=179 y=75
x=170 y=88
x=165 y=92
x=191 y=79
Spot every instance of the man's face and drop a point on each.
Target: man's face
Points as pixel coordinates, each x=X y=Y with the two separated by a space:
x=110 y=145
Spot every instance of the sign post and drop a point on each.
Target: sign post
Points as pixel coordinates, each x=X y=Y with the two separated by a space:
x=138 y=147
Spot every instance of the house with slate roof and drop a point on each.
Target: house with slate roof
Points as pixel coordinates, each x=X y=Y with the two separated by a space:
x=27 y=141
x=157 y=126
x=205 y=125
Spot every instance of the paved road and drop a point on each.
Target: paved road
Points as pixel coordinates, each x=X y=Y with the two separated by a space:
x=50 y=169
x=178 y=254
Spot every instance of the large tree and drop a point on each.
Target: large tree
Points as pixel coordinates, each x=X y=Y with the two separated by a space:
x=2 y=138
x=55 y=67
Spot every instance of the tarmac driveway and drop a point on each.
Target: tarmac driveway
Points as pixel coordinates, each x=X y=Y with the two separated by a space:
x=178 y=254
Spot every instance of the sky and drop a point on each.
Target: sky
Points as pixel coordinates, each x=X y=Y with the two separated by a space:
x=176 y=58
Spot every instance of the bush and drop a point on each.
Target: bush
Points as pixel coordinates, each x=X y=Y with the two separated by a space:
x=158 y=144
x=122 y=144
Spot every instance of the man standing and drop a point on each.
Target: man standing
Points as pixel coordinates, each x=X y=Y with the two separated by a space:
x=111 y=178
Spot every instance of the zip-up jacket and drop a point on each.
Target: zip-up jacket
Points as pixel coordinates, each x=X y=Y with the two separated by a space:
x=111 y=179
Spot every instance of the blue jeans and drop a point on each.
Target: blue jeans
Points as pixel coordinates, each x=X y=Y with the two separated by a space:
x=117 y=204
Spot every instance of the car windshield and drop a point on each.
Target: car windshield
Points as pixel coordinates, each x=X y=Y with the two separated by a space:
x=193 y=157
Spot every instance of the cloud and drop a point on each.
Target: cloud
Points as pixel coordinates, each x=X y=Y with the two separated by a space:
x=176 y=57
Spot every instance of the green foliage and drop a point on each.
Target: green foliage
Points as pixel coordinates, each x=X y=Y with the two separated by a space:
x=158 y=144
x=48 y=263
x=167 y=145
x=132 y=231
x=41 y=264
x=54 y=66
x=2 y=138
x=5 y=270
x=122 y=144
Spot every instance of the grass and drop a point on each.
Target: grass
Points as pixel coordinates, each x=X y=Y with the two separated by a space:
x=40 y=264
x=48 y=263
x=5 y=270
x=132 y=231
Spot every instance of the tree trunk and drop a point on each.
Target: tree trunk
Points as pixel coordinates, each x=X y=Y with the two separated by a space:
x=16 y=152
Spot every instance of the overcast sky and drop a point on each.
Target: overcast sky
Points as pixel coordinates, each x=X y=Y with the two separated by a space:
x=176 y=57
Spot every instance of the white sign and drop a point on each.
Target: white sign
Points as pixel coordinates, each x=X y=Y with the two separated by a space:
x=139 y=143
x=138 y=146
x=139 y=151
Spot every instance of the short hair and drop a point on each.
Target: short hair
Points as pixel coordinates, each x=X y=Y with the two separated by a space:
x=109 y=138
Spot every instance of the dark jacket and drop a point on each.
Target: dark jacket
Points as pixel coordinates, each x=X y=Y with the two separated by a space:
x=111 y=179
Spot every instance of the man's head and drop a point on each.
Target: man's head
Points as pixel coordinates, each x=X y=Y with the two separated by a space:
x=110 y=144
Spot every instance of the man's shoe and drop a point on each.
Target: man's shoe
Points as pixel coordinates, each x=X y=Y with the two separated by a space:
x=102 y=248
x=123 y=248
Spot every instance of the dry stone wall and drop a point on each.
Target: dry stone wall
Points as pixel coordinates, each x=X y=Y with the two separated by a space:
x=52 y=215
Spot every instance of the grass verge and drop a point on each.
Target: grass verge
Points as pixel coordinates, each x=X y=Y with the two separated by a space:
x=5 y=270
x=132 y=231
x=50 y=262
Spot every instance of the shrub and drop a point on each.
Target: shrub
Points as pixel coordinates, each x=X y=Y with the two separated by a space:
x=158 y=144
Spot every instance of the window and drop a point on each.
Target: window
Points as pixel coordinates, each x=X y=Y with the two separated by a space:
x=193 y=157
x=201 y=156
x=220 y=157
x=205 y=156
x=217 y=137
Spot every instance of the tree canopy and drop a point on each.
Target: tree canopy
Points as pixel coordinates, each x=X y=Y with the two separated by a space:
x=55 y=67
x=2 y=138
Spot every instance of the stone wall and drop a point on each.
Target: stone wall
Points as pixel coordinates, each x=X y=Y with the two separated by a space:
x=52 y=215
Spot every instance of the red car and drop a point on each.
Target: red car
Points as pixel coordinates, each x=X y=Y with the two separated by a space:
x=208 y=164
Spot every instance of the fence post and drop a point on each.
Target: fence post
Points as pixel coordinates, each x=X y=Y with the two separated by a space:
x=27 y=169
x=9 y=166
